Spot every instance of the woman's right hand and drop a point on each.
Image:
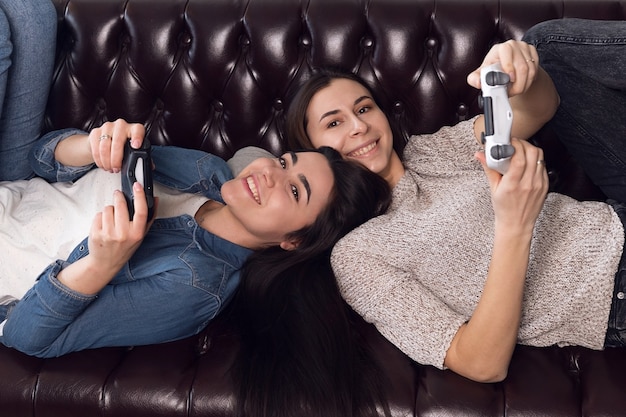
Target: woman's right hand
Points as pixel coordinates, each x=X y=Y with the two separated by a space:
x=518 y=196
x=103 y=146
x=482 y=348
x=107 y=142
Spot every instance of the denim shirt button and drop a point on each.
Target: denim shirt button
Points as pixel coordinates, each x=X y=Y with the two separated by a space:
x=620 y=295
x=81 y=248
x=190 y=223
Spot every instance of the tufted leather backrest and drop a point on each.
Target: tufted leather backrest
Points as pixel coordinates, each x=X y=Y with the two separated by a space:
x=217 y=75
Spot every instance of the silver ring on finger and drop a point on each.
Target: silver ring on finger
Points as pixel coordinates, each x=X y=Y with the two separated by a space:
x=105 y=136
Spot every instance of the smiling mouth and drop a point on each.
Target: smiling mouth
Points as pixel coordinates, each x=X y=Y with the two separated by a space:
x=364 y=150
x=253 y=189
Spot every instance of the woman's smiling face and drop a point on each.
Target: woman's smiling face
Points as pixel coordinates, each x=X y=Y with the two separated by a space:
x=274 y=197
x=345 y=116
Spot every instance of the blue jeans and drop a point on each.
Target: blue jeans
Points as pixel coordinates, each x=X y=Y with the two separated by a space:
x=27 y=50
x=587 y=62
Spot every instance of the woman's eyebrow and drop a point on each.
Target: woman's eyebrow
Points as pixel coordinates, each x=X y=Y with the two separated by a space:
x=301 y=177
x=328 y=113
x=360 y=99
x=333 y=112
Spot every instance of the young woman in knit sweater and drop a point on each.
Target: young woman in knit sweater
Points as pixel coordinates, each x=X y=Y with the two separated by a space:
x=467 y=263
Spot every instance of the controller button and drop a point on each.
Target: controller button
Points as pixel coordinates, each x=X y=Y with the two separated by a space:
x=502 y=151
x=494 y=78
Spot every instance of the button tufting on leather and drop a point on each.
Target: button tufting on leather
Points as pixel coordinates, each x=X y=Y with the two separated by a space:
x=462 y=111
x=278 y=104
x=204 y=344
x=367 y=43
x=398 y=107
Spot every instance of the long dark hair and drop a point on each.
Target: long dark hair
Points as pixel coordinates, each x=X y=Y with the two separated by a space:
x=300 y=354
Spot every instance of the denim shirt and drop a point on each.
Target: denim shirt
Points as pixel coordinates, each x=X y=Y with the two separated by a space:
x=174 y=284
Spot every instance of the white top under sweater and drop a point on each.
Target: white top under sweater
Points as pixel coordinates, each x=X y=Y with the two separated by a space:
x=41 y=222
x=418 y=271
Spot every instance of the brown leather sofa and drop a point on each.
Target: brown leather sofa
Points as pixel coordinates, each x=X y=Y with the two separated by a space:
x=216 y=75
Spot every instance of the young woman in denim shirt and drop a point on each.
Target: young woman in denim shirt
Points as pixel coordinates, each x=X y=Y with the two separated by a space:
x=137 y=281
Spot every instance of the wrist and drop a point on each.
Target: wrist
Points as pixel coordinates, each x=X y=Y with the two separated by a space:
x=86 y=276
x=513 y=232
x=74 y=150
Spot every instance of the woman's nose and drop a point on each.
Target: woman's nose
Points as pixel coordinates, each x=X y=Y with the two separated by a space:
x=272 y=175
x=358 y=126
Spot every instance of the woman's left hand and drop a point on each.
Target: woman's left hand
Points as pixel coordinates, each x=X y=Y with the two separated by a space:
x=518 y=59
x=533 y=97
x=113 y=239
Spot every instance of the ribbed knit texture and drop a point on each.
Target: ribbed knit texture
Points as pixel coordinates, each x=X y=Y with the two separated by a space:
x=417 y=272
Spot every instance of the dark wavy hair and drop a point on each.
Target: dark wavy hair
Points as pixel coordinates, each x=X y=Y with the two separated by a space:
x=299 y=352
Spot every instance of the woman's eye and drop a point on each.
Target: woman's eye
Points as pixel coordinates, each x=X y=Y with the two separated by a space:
x=363 y=110
x=334 y=123
x=282 y=162
x=294 y=191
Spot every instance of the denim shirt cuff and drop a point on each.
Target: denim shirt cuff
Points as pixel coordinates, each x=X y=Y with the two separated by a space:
x=44 y=163
x=60 y=300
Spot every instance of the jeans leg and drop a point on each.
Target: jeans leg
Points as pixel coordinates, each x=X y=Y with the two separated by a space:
x=616 y=331
x=27 y=52
x=587 y=62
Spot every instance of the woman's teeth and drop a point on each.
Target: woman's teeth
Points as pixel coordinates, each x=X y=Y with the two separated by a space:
x=363 y=150
x=252 y=187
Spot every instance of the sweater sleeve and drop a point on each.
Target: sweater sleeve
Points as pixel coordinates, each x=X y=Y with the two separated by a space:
x=403 y=310
x=446 y=152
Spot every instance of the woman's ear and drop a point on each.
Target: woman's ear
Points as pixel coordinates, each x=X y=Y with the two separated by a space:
x=289 y=244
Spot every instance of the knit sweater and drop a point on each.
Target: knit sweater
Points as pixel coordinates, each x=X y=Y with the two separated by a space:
x=418 y=271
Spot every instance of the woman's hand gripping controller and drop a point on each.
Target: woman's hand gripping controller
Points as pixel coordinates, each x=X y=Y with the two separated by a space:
x=498 y=117
x=137 y=167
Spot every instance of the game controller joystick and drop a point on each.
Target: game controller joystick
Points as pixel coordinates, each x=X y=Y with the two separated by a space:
x=498 y=117
x=137 y=167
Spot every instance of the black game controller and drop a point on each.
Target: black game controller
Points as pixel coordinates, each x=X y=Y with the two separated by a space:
x=137 y=167
x=498 y=117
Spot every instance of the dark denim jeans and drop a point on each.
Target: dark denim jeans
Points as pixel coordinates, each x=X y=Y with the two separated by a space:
x=587 y=62
x=616 y=333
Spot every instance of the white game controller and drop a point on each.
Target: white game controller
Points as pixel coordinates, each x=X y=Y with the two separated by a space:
x=498 y=117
